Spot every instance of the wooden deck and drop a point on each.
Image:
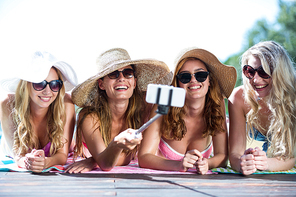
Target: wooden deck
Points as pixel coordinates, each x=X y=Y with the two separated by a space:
x=59 y=184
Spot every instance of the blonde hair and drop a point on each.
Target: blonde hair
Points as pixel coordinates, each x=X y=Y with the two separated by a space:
x=25 y=139
x=100 y=111
x=281 y=100
x=174 y=127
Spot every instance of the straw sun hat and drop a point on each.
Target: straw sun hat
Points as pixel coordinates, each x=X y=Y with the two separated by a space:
x=36 y=69
x=226 y=75
x=146 y=71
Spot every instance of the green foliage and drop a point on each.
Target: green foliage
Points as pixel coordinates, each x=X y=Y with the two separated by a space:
x=282 y=31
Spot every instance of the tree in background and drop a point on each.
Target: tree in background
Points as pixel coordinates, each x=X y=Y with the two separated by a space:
x=282 y=31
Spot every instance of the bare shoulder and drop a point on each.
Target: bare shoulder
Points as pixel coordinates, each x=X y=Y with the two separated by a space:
x=237 y=96
x=88 y=117
x=236 y=101
x=5 y=104
x=68 y=99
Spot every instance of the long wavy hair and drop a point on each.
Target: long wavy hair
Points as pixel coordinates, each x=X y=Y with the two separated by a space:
x=101 y=112
x=281 y=100
x=25 y=138
x=174 y=127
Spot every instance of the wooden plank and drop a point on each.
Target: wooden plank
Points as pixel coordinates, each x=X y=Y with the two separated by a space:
x=50 y=184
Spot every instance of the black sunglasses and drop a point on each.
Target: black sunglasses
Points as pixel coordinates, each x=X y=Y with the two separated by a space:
x=199 y=76
x=250 y=72
x=127 y=73
x=54 y=85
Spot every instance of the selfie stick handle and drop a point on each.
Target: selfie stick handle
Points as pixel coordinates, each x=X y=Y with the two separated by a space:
x=147 y=124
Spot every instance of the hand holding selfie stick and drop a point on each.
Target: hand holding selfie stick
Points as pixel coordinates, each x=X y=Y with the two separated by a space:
x=166 y=96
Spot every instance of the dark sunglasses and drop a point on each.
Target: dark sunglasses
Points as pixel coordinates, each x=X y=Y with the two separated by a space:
x=127 y=73
x=250 y=72
x=54 y=85
x=199 y=76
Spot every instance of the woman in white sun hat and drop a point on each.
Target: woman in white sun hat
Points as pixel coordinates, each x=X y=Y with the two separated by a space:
x=112 y=106
x=38 y=117
x=185 y=137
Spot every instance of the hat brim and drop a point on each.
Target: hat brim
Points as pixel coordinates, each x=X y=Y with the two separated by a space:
x=40 y=74
x=147 y=71
x=226 y=75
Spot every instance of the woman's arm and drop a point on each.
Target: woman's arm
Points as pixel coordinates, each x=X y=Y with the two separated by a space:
x=240 y=160
x=36 y=160
x=105 y=157
x=149 y=147
x=220 y=145
x=8 y=127
x=272 y=164
x=60 y=158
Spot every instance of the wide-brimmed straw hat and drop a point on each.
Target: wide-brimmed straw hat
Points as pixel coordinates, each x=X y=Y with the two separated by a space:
x=147 y=71
x=36 y=69
x=226 y=75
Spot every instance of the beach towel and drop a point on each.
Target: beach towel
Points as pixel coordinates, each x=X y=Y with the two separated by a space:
x=229 y=170
x=8 y=165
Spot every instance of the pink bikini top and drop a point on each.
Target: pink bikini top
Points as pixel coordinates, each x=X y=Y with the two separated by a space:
x=169 y=153
x=47 y=149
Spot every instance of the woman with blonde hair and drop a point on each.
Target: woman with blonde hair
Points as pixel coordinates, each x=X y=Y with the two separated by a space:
x=38 y=119
x=113 y=106
x=265 y=107
x=185 y=137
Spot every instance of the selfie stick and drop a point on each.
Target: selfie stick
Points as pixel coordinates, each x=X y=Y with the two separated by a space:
x=161 y=110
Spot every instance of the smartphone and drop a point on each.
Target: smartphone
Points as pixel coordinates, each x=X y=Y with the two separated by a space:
x=165 y=95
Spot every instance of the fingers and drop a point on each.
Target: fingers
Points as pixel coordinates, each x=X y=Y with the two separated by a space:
x=249 y=151
x=260 y=160
x=74 y=168
x=38 y=153
x=34 y=164
x=84 y=165
x=247 y=164
x=190 y=159
x=202 y=166
x=128 y=139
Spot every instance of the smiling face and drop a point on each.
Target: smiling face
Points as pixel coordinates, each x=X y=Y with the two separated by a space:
x=120 y=88
x=260 y=85
x=43 y=98
x=194 y=89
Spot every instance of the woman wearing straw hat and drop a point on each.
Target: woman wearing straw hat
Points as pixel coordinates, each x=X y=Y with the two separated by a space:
x=185 y=137
x=112 y=101
x=38 y=119
x=265 y=107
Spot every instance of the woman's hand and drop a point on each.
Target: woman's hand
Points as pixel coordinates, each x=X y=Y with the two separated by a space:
x=260 y=159
x=202 y=166
x=35 y=161
x=190 y=159
x=84 y=165
x=127 y=140
x=247 y=162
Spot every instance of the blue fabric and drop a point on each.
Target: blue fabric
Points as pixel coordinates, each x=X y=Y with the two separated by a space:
x=260 y=137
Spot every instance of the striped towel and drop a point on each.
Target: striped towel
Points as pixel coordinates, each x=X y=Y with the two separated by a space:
x=229 y=170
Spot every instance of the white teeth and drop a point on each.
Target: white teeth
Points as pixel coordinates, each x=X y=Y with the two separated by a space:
x=258 y=87
x=120 y=87
x=45 y=98
x=194 y=87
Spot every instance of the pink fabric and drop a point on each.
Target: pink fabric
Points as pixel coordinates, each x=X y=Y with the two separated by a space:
x=47 y=149
x=131 y=168
x=169 y=153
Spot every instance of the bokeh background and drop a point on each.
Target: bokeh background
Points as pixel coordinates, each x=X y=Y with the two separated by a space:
x=78 y=31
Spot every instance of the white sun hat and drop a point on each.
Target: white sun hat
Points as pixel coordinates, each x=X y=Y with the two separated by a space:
x=35 y=69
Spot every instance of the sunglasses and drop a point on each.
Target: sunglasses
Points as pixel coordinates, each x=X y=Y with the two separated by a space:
x=54 y=85
x=199 y=76
x=127 y=73
x=250 y=72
